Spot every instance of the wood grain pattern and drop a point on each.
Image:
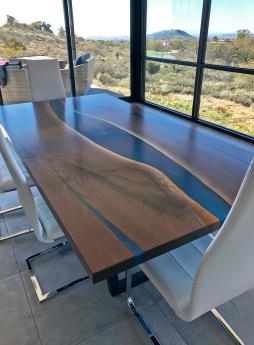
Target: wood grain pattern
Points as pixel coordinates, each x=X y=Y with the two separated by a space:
x=120 y=141
x=217 y=159
x=100 y=198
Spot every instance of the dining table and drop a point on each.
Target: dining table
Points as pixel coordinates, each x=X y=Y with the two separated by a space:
x=125 y=182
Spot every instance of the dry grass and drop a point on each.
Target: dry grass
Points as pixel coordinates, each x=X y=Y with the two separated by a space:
x=222 y=112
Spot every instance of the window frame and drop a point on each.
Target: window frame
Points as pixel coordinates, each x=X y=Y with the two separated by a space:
x=201 y=66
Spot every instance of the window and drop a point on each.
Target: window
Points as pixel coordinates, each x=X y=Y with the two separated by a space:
x=215 y=63
x=173 y=29
x=29 y=28
x=227 y=100
x=170 y=85
x=103 y=29
x=227 y=97
x=230 y=35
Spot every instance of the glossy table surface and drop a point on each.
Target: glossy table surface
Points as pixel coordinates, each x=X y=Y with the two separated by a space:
x=125 y=182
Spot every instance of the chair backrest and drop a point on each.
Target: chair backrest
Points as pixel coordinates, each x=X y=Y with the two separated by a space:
x=17 y=89
x=24 y=192
x=44 y=78
x=226 y=269
x=83 y=77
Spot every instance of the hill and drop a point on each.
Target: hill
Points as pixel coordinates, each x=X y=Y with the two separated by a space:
x=30 y=42
x=170 y=35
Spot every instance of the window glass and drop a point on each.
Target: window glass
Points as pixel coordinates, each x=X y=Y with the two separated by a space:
x=170 y=85
x=173 y=28
x=231 y=40
x=227 y=100
x=30 y=28
x=103 y=29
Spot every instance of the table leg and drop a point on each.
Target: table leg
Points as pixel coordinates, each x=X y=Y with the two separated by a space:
x=117 y=286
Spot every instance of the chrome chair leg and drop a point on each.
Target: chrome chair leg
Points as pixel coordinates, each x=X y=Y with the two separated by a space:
x=11 y=209
x=227 y=327
x=138 y=317
x=16 y=234
x=43 y=296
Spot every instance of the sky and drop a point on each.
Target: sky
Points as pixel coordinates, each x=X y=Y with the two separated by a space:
x=111 y=17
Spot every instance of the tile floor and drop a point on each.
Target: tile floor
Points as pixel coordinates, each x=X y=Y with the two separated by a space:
x=87 y=314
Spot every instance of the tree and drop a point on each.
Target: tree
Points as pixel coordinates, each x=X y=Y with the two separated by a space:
x=46 y=27
x=10 y=20
x=41 y=26
x=242 y=34
x=152 y=67
x=215 y=38
x=61 y=32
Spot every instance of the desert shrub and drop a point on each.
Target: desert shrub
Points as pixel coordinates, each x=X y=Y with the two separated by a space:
x=152 y=67
x=106 y=79
x=10 y=42
x=242 y=98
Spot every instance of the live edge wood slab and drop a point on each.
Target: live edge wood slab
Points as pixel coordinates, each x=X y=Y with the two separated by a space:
x=116 y=202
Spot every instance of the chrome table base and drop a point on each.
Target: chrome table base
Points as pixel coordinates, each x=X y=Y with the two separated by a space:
x=11 y=209
x=227 y=327
x=138 y=317
x=142 y=323
x=149 y=333
x=16 y=234
x=43 y=296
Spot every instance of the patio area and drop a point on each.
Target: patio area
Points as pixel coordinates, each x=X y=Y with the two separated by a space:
x=87 y=314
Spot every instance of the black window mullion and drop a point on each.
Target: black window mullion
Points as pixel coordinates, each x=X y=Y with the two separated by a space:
x=138 y=47
x=69 y=46
x=171 y=61
x=1 y=98
x=234 y=69
x=72 y=30
x=201 y=57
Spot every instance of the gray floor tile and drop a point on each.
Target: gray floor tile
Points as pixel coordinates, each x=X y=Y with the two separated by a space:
x=161 y=326
x=204 y=330
x=126 y=332
x=80 y=312
x=16 y=221
x=239 y=314
x=57 y=268
x=153 y=291
x=27 y=245
x=8 y=262
x=16 y=323
x=9 y=199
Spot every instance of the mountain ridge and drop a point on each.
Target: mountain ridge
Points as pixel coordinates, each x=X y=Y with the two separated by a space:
x=170 y=34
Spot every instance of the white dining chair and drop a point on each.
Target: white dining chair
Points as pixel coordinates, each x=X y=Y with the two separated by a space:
x=45 y=78
x=7 y=185
x=202 y=275
x=45 y=226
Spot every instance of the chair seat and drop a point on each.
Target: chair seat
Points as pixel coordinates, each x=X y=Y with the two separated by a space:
x=173 y=273
x=47 y=220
